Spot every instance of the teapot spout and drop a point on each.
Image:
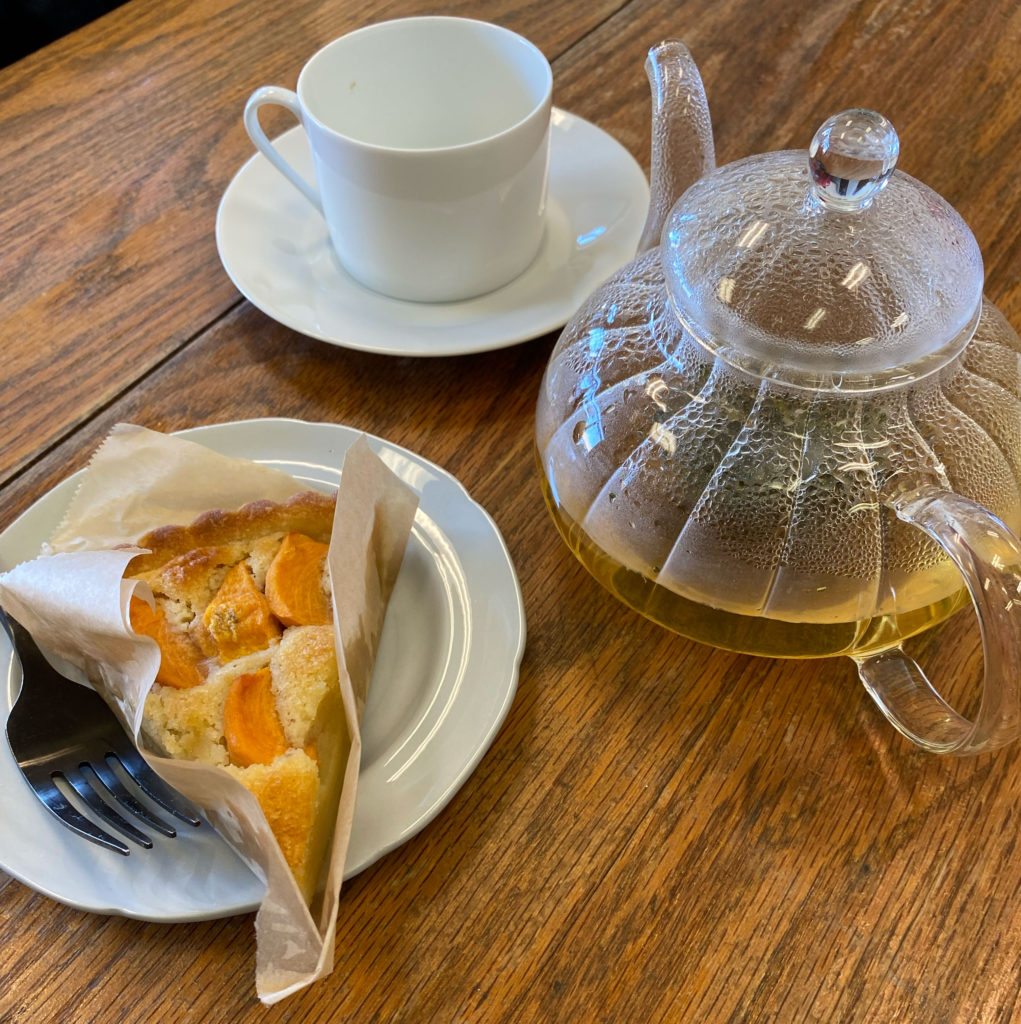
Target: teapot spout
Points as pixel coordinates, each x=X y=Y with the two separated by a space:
x=682 y=133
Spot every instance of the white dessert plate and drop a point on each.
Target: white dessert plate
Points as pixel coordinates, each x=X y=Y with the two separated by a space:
x=275 y=248
x=445 y=676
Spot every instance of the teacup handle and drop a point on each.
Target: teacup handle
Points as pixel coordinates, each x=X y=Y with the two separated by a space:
x=988 y=555
x=284 y=98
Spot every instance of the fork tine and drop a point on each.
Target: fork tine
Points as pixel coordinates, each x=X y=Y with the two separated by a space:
x=151 y=784
x=81 y=785
x=94 y=738
x=123 y=796
x=58 y=805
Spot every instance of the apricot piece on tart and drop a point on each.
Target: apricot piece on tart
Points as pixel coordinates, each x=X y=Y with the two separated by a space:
x=180 y=657
x=251 y=725
x=238 y=618
x=294 y=582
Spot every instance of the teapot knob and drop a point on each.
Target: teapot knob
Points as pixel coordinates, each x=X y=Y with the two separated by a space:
x=851 y=158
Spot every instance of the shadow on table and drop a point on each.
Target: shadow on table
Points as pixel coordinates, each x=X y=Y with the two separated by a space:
x=28 y=25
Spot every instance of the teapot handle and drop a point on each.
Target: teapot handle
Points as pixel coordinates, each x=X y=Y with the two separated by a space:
x=988 y=555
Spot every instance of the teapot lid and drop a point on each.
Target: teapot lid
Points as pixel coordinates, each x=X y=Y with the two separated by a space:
x=833 y=272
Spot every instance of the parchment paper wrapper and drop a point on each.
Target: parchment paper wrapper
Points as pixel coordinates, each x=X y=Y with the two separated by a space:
x=74 y=601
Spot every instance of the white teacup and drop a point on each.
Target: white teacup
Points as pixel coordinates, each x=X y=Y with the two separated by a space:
x=430 y=143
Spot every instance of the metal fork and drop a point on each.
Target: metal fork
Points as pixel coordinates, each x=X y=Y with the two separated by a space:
x=60 y=729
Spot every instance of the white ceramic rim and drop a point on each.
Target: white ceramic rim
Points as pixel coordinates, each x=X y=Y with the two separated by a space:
x=538 y=109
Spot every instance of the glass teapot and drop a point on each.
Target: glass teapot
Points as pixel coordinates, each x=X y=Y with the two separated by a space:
x=792 y=425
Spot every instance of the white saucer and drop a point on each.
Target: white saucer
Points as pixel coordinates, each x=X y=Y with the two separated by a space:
x=275 y=248
x=445 y=677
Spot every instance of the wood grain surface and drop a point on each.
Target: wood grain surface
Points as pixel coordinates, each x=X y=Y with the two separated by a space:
x=661 y=831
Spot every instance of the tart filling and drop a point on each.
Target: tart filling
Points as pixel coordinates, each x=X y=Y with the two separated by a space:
x=248 y=678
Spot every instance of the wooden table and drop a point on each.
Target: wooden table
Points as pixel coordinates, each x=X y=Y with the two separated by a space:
x=661 y=831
